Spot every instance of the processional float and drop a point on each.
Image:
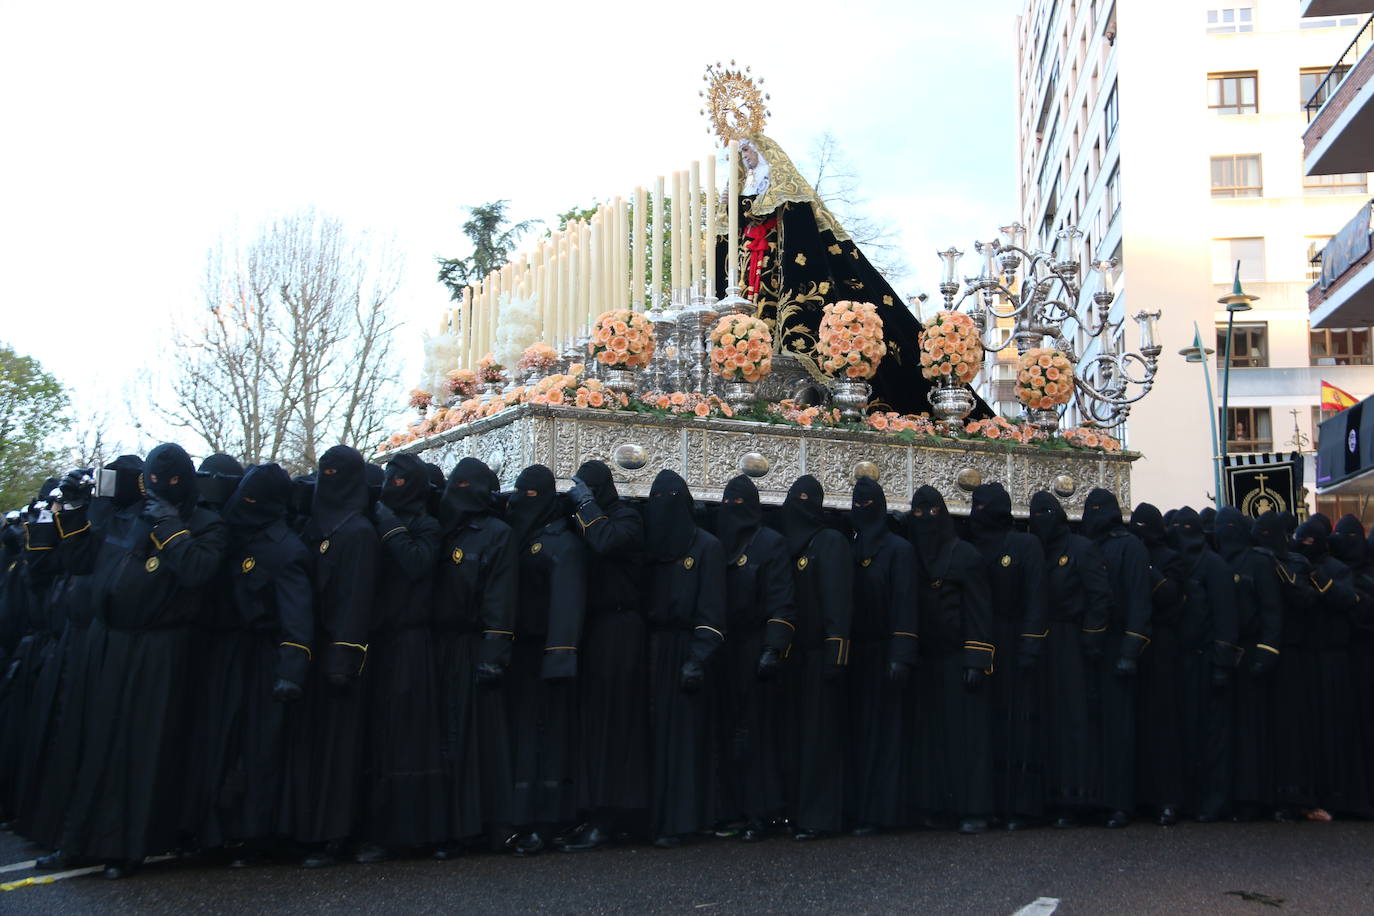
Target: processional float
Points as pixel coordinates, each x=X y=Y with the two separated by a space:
x=735 y=327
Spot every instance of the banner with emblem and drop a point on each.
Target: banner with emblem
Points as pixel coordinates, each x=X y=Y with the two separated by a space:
x=1264 y=481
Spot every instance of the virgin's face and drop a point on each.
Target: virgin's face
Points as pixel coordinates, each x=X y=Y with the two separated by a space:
x=750 y=157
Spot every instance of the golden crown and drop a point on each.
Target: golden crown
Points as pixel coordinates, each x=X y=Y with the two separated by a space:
x=735 y=105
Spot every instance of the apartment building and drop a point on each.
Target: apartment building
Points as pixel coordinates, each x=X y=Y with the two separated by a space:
x=1164 y=130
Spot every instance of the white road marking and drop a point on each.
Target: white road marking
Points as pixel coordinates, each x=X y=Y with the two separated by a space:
x=18 y=866
x=1041 y=906
x=63 y=875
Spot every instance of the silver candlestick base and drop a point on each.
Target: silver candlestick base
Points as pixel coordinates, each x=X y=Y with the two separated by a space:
x=734 y=303
x=694 y=323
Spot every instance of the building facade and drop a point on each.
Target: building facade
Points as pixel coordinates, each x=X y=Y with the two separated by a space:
x=1164 y=130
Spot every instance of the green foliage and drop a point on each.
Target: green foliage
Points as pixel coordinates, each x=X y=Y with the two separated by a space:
x=573 y=214
x=32 y=410
x=492 y=243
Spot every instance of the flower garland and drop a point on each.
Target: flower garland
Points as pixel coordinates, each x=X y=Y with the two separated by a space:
x=461 y=383
x=622 y=339
x=741 y=348
x=887 y=421
x=1000 y=428
x=789 y=411
x=569 y=390
x=1087 y=437
x=539 y=357
x=1044 y=378
x=682 y=402
x=489 y=371
x=950 y=346
x=851 y=340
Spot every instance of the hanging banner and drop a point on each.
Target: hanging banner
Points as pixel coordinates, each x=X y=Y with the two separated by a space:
x=1264 y=482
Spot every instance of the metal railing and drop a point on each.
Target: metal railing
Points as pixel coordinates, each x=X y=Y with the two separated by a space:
x=1363 y=41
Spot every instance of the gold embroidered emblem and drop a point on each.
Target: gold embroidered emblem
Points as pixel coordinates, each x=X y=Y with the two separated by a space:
x=937 y=583
x=324 y=546
x=1006 y=560
x=152 y=564
x=800 y=259
x=1064 y=560
x=457 y=555
x=688 y=562
x=249 y=564
x=802 y=561
x=536 y=547
x=743 y=560
x=887 y=300
x=1237 y=578
x=834 y=249
x=868 y=561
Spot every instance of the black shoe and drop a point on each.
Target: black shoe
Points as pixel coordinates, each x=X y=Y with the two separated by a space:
x=1065 y=821
x=668 y=842
x=7 y=826
x=528 y=844
x=587 y=838
x=806 y=834
x=117 y=870
x=1168 y=816
x=320 y=858
x=1207 y=818
x=973 y=825
x=371 y=854
x=564 y=837
x=863 y=830
x=753 y=833
x=55 y=861
x=1018 y=823
x=1118 y=819
x=1281 y=816
x=444 y=853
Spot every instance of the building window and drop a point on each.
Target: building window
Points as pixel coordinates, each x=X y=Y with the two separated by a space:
x=1328 y=22
x=1251 y=346
x=1236 y=176
x=1233 y=93
x=1111 y=112
x=1230 y=19
x=1314 y=88
x=1351 y=183
x=1225 y=254
x=1341 y=347
x=1113 y=194
x=1248 y=429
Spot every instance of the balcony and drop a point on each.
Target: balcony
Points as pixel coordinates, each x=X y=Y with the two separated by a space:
x=1343 y=296
x=1340 y=114
x=1312 y=8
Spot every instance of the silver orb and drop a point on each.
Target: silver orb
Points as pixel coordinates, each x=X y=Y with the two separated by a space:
x=753 y=464
x=1064 y=486
x=629 y=456
x=867 y=469
x=969 y=479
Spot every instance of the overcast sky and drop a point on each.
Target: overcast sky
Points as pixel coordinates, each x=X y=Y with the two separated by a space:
x=135 y=134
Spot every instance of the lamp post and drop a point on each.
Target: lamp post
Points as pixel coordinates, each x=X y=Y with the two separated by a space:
x=1197 y=353
x=1237 y=301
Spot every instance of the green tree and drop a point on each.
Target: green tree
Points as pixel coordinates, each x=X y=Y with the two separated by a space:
x=492 y=242
x=33 y=410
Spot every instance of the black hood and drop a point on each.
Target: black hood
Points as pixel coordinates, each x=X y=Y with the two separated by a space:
x=668 y=523
x=1311 y=540
x=803 y=513
x=128 y=480
x=989 y=512
x=1268 y=532
x=1208 y=517
x=1232 y=532
x=375 y=475
x=1048 y=521
x=597 y=476
x=868 y=516
x=1290 y=523
x=262 y=498
x=1186 y=532
x=469 y=494
x=534 y=503
x=406 y=491
x=1347 y=541
x=169 y=473
x=302 y=497
x=1101 y=513
x=930 y=526
x=435 y=475
x=1322 y=521
x=1148 y=525
x=340 y=488
x=217 y=478
x=740 y=516
x=46 y=487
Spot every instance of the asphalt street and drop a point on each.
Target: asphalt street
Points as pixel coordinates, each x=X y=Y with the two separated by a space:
x=1257 y=868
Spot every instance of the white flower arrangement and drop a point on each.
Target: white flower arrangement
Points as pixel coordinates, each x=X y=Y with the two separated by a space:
x=517 y=327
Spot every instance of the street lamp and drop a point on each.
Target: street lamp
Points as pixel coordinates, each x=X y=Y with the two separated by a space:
x=1197 y=353
x=1237 y=301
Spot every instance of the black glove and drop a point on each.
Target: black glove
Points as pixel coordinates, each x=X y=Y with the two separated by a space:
x=489 y=672
x=284 y=691
x=898 y=673
x=1221 y=678
x=580 y=493
x=387 y=521
x=1126 y=667
x=769 y=662
x=157 y=509
x=973 y=679
x=77 y=488
x=690 y=678
x=338 y=683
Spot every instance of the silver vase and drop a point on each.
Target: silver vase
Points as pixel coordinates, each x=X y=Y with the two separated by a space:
x=619 y=379
x=739 y=395
x=950 y=401
x=851 y=397
x=490 y=390
x=1046 y=420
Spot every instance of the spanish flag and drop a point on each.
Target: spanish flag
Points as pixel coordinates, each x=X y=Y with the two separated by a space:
x=1334 y=398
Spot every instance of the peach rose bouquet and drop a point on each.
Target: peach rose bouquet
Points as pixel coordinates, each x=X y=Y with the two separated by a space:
x=1087 y=437
x=1044 y=379
x=741 y=348
x=461 y=383
x=489 y=371
x=622 y=339
x=951 y=348
x=539 y=357
x=851 y=340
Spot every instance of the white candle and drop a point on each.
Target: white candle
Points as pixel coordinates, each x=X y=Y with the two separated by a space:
x=582 y=317
x=656 y=244
x=694 y=225
x=732 y=245
x=711 y=228
x=623 y=249
x=637 y=267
